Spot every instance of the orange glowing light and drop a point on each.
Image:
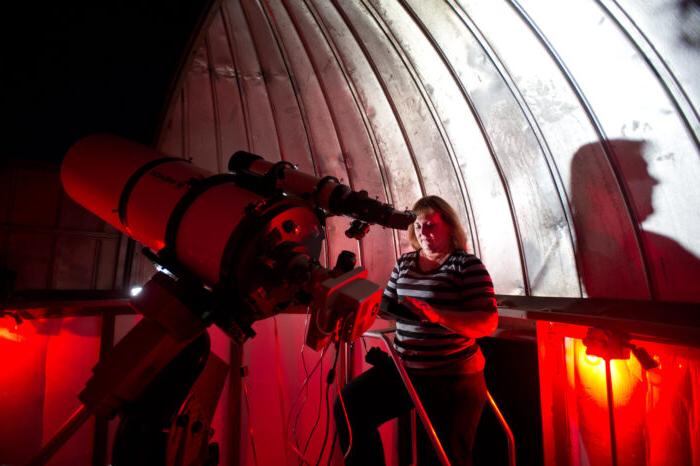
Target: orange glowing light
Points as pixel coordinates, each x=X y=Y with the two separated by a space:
x=9 y=335
x=591 y=375
x=9 y=332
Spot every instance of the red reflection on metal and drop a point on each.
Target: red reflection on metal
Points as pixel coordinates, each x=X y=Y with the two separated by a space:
x=40 y=379
x=22 y=394
x=656 y=412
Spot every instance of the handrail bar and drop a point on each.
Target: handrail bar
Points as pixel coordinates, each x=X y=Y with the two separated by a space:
x=417 y=404
x=506 y=428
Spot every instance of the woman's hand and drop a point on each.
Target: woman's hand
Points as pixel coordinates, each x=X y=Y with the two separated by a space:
x=422 y=309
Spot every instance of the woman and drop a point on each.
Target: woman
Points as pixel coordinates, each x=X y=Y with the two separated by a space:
x=442 y=299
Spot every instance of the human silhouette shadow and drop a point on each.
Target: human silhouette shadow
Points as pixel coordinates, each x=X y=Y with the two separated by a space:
x=617 y=256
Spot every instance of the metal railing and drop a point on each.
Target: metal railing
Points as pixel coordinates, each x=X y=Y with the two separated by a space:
x=382 y=335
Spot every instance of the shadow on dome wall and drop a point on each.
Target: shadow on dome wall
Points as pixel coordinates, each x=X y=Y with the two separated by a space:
x=617 y=256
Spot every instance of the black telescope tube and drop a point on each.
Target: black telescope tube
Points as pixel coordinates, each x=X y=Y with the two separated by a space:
x=358 y=204
x=341 y=201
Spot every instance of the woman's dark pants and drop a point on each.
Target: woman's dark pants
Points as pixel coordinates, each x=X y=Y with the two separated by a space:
x=453 y=403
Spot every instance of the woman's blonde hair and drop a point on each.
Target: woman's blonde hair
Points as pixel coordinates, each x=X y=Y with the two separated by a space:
x=437 y=204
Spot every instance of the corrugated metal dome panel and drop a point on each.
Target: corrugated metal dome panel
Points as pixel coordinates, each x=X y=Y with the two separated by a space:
x=549 y=125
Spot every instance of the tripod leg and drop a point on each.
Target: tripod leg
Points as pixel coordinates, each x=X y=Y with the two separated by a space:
x=70 y=427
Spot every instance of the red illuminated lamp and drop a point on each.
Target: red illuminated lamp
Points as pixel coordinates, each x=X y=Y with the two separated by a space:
x=609 y=345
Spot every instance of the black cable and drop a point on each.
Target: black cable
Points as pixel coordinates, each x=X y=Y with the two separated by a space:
x=318 y=413
x=335 y=439
x=329 y=382
x=304 y=390
x=346 y=453
x=303 y=345
x=328 y=423
x=331 y=372
x=250 y=427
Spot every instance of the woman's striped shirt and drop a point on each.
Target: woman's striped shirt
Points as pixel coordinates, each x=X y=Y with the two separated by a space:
x=461 y=283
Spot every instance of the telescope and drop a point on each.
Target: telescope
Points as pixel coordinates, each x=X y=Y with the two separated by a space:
x=231 y=249
x=252 y=236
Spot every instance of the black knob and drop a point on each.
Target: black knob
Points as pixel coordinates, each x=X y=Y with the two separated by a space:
x=290 y=227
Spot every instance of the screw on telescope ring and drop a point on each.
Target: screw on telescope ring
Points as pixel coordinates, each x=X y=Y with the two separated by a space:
x=131 y=184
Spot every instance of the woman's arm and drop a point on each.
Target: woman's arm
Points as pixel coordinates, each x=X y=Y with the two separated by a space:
x=479 y=320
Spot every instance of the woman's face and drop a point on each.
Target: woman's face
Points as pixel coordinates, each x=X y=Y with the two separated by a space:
x=432 y=233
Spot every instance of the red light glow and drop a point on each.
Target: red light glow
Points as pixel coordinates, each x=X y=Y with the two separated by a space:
x=40 y=381
x=656 y=412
